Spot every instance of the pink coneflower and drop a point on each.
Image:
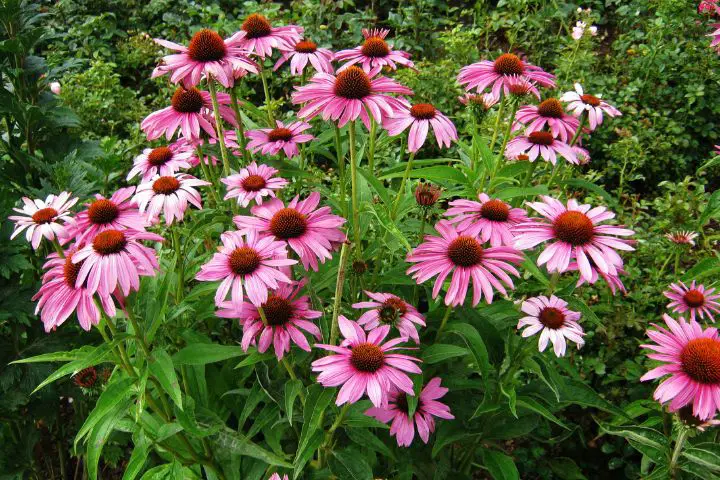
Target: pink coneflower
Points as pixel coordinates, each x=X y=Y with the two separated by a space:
x=60 y=296
x=427 y=195
x=420 y=117
x=397 y=412
x=349 y=95
x=540 y=144
x=42 y=218
x=189 y=112
x=261 y=37
x=251 y=263
x=304 y=52
x=389 y=309
x=715 y=35
x=490 y=219
x=208 y=55
x=583 y=156
x=253 y=183
x=276 y=476
x=576 y=233
x=162 y=160
x=269 y=141
x=483 y=100
x=115 y=213
x=709 y=7
x=374 y=52
x=116 y=258
x=549 y=113
x=519 y=87
x=466 y=258
x=286 y=316
x=310 y=231
x=579 y=102
x=498 y=74
x=682 y=237
x=363 y=364
x=556 y=321
x=691 y=357
x=696 y=299
x=169 y=194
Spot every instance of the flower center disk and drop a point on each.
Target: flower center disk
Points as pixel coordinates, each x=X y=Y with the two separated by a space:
x=423 y=111
x=552 y=318
x=206 y=46
x=278 y=310
x=508 y=64
x=541 y=138
x=391 y=310
x=574 y=227
x=375 y=47
x=244 y=260
x=253 y=183
x=86 y=377
x=551 y=108
x=159 y=156
x=166 y=185
x=102 y=212
x=71 y=271
x=591 y=100
x=109 y=242
x=280 y=134
x=306 y=46
x=288 y=223
x=352 y=84
x=694 y=298
x=700 y=360
x=367 y=357
x=465 y=251
x=256 y=26
x=187 y=101
x=495 y=210
x=45 y=215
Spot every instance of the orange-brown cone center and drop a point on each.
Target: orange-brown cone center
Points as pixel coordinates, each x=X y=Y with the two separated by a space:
x=352 y=83
x=509 y=64
x=45 y=215
x=700 y=360
x=367 y=357
x=574 y=227
x=495 y=210
x=103 y=211
x=244 y=260
x=288 y=223
x=465 y=251
x=206 y=46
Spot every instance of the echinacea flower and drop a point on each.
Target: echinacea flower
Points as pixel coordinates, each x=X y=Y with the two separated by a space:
x=304 y=52
x=42 y=218
x=86 y=377
x=498 y=75
x=540 y=144
x=715 y=35
x=682 y=237
x=685 y=414
x=190 y=111
x=374 y=52
x=427 y=194
x=466 y=258
x=169 y=194
x=276 y=476
x=363 y=363
x=554 y=320
x=286 y=317
x=420 y=117
x=207 y=56
x=164 y=160
x=389 y=309
x=118 y=212
x=580 y=102
x=349 y=95
x=490 y=219
x=483 y=100
x=253 y=183
x=519 y=87
x=269 y=141
x=696 y=299
x=60 y=295
x=311 y=232
x=691 y=357
x=261 y=37
x=583 y=156
x=397 y=412
x=576 y=233
x=549 y=113
x=250 y=263
x=116 y=258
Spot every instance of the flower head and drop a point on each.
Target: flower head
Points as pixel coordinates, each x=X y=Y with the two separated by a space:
x=253 y=183
x=682 y=237
x=86 y=377
x=389 y=309
x=580 y=102
x=696 y=299
x=304 y=52
x=466 y=258
x=348 y=95
x=40 y=218
x=540 y=144
x=276 y=476
x=427 y=194
x=287 y=317
x=483 y=100
x=310 y=231
x=576 y=233
x=548 y=114
x=269 y=141
x=691 y=357
x=261 y=37
x=55 y=88
x=554 y=319
x=583 y=156
x=165 y=160
x=251 y=264
x=375 y=52
x=490 y=219
x=420 y=117
x=403 y=425
x=498 y=75
x=207 y=56
x=169 y=194
x=363 y=363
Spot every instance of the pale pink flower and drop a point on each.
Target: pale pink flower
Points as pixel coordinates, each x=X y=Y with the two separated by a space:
x=464 y=257
x=498 y=75
x=363 y=363
x=55 y=88
x=276 y=476
x=253 y=183
x=261 y=37
x=397 y=412
x=389 y=309
x=304 y=52
x=269 y=141
x=580 y=102
x=554 y=320
x=420 y=117
x=696 y=299
x=484 y=100
x=691 y=357
x=162 y=161
x=549 y=114
x=252 y=264
x=169 y=194
x=540 y=144
x=490 y=219
x=374 y=52
x=40 y=218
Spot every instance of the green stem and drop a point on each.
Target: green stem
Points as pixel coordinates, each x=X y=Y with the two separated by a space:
x=474 y=160
x=506 y=138
x=219 y=126
x=261 y=311
x=554 y=173
x=529 y=174
x=354 y=186
x=371 y=146
x=180 y=266
x=58 y=248
x=679 y=443
x=268 y=106
x=240 y=131
x=138 y=333
x=443 y=323
x=341 y=170
x=206 y=169
x=291 y=371
x=677 y=262
x=401 y=190
x=121 y=347
x=339 y=285
x=496 y=128
x=578 y=132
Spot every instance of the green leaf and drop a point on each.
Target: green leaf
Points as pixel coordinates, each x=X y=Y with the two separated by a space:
x=500 y=466
x=591 y=187
x=566 y=469
x=366 y=439
x=529 y=265
x=589 y=315
x=237 y=443
x=439 y=173
x=535 y=406
x=515 y=192
x=204 y=353
x=706 y=455
x=93 y=357
x=114 y=394
x=348 y=464
x=255 y=357
x=439 y=352
x=376 y=185
x=100 y=434
x=304 y=456
x=574 y=391
x=137 y=458
x=292 y=390
x=706 y=267
x=647 y=441
x=161 y=366
x=711 y=210
x=317 y=401
x=475 y=343
x=58 y=356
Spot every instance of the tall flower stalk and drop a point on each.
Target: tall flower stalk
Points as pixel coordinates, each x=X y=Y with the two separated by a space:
x=219 y=126
x=354 y=193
